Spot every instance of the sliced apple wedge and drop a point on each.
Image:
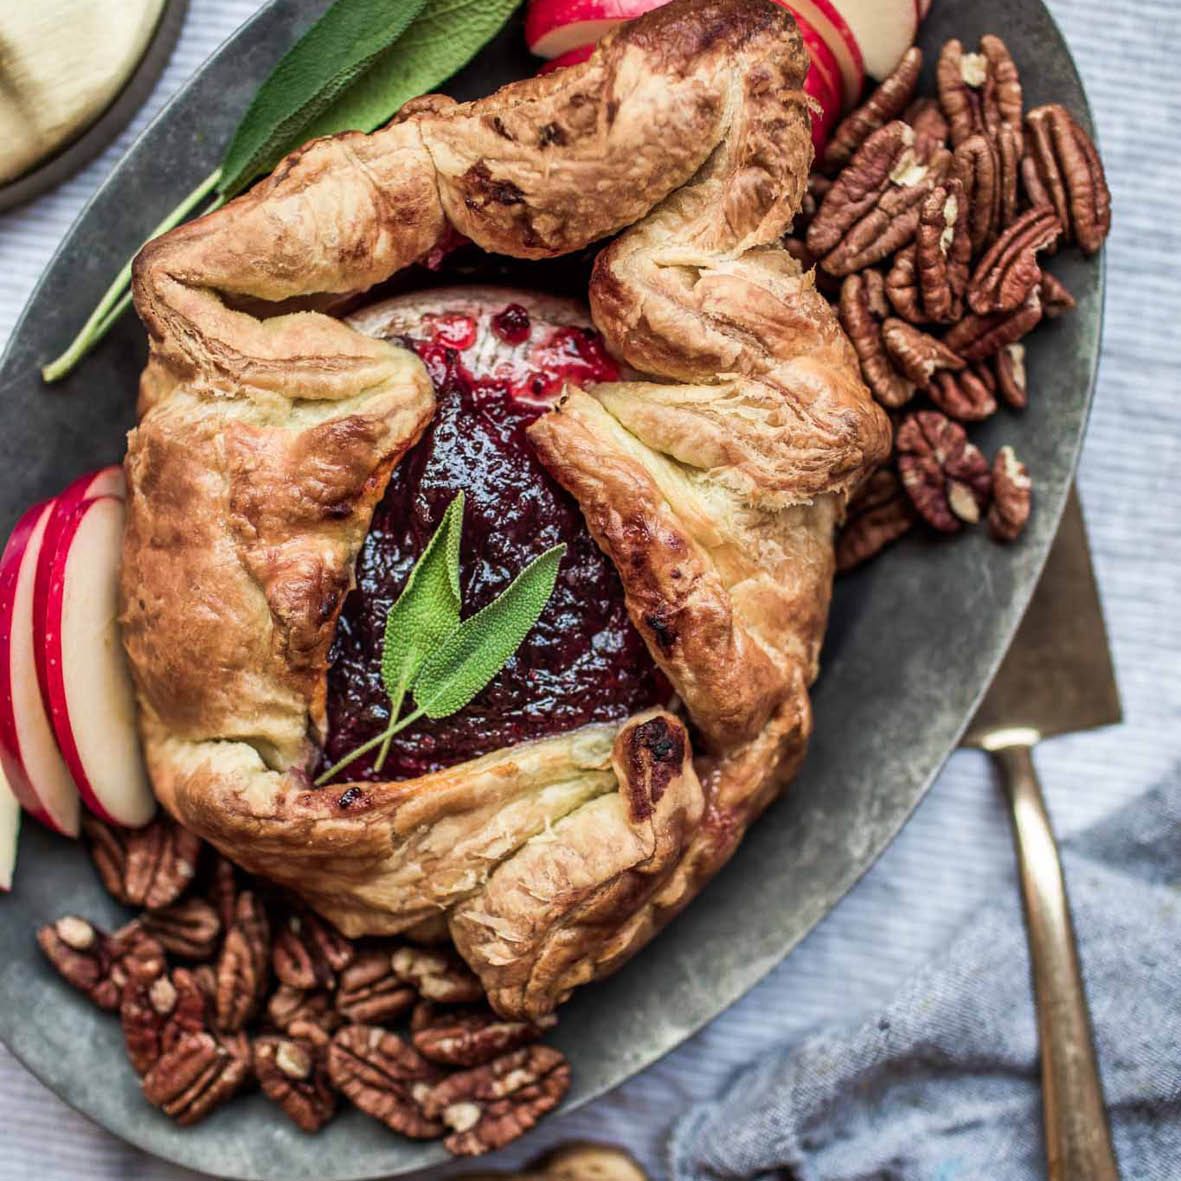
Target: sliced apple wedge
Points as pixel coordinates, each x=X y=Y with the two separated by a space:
x=553 y=27
x=35 y=769
x=91 y=701
x=10 y=828
x=825 y=17
x=885 y=30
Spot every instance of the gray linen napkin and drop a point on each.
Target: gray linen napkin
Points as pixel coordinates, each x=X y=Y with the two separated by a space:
x=942 y=1085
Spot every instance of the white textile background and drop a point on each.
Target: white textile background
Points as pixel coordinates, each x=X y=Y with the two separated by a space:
x=956 y=849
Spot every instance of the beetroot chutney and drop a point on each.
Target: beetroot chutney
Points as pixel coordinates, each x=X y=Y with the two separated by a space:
x=583 y=661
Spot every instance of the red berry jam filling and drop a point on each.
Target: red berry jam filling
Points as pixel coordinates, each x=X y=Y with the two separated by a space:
x=583 y=661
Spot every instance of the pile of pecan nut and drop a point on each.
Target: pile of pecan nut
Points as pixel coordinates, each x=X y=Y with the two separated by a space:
x=223 y=982
x=927 y=221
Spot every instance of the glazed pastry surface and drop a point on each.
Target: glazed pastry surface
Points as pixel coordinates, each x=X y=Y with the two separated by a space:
x=713 y=484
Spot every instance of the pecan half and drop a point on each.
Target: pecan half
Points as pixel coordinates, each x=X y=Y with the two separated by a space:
x=222 y=890
x=969 y=395
x=943 y=473
x=242 y=967
x=879 y=513
x=289 y=1008
x=99 y=964
x=927 y=118
x=189 y=928
x=859 y=306
x=1008 y=145
x=156 y=1016
x=148 y=867
x=916 y=354
x=437 y=975
x=976 y=337
x=872 y=208
x=1009 y=271
x=379 y=1073
x=886 y=103
x=1012 y=496
x=199 y=1073
x=902 y=287
x=1062 y=168
x=943 y=252
x=471 y=1039
x=1055 y=297
x=370 y=993
x=308 y=952
x=976 y=165
x=491 y=1105
x=979 y=92
x=1009 y=366
x=292 y=1074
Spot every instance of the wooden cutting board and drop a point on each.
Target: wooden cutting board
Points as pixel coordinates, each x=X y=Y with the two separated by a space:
x=62 y=65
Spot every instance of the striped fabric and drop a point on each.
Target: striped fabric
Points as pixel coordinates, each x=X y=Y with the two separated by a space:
x=956 y=849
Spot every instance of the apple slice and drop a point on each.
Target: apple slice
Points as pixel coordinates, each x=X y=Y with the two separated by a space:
x=28 y=750
x=825 y=18
x=10 y=828
x=570 y=58
x=885 y=30
x=92 y=703
x=823 y=83
x=554 y=27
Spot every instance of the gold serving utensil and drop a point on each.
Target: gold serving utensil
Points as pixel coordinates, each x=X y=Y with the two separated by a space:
x=1056 y=678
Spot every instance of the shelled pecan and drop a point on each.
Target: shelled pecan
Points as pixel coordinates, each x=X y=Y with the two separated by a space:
x=1056 y=300
x=491 y=1105
x=968 y=396
x=1010 y=270
x=861 y=307
x=155 y=1016
x=879 y=513
x=291 y=1074
x=979 y=92
x=943 y=473
x=943 y=252
x=308 y=952
x=243 y=966
x=471 y=1039
x=189 y=929
x=927 y=118
x=437 y=975
x=370 y=993
x=199 y=1073
x=99 y=964
x=1062 y=168
x=148 y=867
x=976 y=337
x=873 y=207
x=917 y=355
x=976 y=164
x=1009 y=366
x=1012 y=496
x=887 y=102
x=382 y=1075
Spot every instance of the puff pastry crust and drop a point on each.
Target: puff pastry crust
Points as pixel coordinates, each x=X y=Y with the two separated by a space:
x=268 y=432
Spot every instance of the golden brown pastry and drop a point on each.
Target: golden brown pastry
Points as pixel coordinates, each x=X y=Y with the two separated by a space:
x=714 y=486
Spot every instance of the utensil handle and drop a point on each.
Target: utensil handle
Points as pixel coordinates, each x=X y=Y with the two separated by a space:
x=1078 y=1138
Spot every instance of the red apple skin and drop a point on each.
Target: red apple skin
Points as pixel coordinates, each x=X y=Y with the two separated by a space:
x=59 y=814
x=570 y=58
x=106 y=481
x=823 y=83
x=825 y=18
x=54 y=666
x=550 y=24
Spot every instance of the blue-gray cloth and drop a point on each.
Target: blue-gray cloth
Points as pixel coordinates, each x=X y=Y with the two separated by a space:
x=942 y=1084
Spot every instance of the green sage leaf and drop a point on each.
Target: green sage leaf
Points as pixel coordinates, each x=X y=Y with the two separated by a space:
x=328 y=59
x=427 y=610
x=477 y=650
x=441 y=40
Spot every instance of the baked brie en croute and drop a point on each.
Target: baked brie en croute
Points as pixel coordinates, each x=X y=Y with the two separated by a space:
x=695 y=453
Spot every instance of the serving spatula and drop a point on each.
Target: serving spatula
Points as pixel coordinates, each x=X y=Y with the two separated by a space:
x=1056 y=678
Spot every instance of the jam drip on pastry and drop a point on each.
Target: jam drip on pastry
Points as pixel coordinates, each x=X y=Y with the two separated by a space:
x=493 y=372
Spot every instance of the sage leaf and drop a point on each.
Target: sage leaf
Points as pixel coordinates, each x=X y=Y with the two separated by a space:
x=477 y=650
x=441 y=40
x=427 y=610
x=329 y=58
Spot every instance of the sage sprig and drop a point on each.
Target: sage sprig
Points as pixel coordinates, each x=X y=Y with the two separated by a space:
x=350 y=71
x=441 y=660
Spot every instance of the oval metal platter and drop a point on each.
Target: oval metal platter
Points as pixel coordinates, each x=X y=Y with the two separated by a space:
x=913 y=642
